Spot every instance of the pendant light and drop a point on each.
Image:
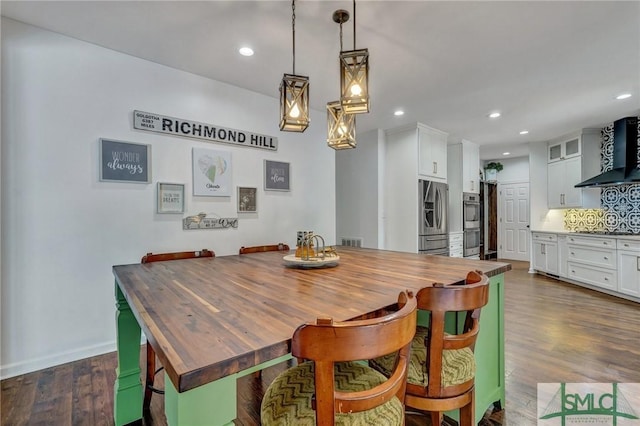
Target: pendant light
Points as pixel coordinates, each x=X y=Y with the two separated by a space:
x=354 y=76
x=341 y=127
x=294 y=92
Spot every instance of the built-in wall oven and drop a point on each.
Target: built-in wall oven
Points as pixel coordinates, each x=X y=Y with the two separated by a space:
x=471 y=224
x=432 y=213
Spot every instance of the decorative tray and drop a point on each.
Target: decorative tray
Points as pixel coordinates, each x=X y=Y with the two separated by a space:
x=329 y=261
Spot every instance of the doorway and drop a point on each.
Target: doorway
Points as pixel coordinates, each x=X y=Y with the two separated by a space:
x=513 y=221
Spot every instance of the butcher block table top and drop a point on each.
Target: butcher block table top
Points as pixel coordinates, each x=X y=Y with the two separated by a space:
x=211 y=317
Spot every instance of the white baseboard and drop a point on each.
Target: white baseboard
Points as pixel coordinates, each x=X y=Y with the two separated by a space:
x=28 y=366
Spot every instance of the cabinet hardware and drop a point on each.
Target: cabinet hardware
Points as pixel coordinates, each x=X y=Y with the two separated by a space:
x=606 y=258
x=435 y=167
x=626 y=245
x=638 y=262
x=573 y=254
x=605 y=243
x=606 y=279
x=573 y=271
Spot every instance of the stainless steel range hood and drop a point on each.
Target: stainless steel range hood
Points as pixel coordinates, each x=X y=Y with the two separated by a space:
x=625 y=157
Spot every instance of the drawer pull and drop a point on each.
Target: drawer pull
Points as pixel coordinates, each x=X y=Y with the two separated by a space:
x=573 y=254
x=606 y=279
x=605 y=243
x=573 y=271
x=606 y=258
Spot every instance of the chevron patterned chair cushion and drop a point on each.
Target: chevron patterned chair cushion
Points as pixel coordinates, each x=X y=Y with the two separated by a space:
x=288 y=399
x=458 y=366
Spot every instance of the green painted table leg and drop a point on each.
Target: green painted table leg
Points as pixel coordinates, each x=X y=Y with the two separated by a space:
x=213 y=404
x=127 y=402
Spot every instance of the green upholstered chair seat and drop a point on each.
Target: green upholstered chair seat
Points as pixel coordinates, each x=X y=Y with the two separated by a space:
x=287 y=401
x=458 y=366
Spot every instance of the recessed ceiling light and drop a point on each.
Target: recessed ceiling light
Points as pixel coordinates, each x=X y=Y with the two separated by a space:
x=398 y=112
x=524 y=132
x=623 y=96
x=246 y=51
x=494 y=115
x=506 y=153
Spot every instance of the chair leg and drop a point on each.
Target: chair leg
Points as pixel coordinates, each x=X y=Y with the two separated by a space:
x=436 y=418
x=150 y=376
x=467 y=413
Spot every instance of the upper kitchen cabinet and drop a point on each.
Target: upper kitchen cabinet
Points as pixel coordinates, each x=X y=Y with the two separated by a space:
x=432 y=154
x=463 y=169
x=557 y=151
x=571 y=160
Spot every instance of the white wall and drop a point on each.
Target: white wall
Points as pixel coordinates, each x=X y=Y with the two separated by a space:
x=515 y=169
x=358 y=201
x=63 y=229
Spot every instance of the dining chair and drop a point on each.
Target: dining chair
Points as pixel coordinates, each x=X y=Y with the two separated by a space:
x=331 y=386
x=151 y=371
x=259 y=249
x=442 y=369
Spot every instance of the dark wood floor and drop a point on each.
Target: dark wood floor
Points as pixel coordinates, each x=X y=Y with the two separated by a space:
x=555 y=332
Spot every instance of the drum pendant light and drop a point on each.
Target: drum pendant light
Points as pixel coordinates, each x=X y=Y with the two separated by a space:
x=341 y=127
x=354 y=76
x=294 y=92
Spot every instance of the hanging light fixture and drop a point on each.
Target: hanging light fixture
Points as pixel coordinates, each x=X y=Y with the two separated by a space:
x=341 y=127
x=354 y=76
x=294 y=92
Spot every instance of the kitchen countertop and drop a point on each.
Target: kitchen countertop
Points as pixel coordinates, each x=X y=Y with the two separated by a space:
x=635 y=237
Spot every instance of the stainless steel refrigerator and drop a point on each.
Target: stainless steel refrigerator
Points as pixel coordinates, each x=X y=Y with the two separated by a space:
x=433 y=237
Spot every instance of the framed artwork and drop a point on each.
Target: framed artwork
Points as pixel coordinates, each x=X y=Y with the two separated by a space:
x=211 y=173
x=247 y=200
x=124 y=161
x=170 y=198
x=277 y=176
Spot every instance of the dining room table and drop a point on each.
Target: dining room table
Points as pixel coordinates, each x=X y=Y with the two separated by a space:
x=213 y=320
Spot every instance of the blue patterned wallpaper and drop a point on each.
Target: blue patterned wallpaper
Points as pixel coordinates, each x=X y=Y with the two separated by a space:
x=621 y=203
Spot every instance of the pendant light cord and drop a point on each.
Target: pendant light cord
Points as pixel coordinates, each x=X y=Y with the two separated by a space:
x=293 y=32
x=354 y=24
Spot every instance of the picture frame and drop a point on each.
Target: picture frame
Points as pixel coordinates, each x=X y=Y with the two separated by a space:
x=277 y=176
x=247 y=199
x=211 y=173
x=170 y=198
x=122 y=161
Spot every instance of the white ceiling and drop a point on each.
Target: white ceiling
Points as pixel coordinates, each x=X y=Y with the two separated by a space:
x=550 y=67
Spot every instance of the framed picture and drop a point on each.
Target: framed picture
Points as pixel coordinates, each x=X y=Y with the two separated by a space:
x=170 y=198
x=124 y=161
x=277 y=176
x=247 y=200
x=211 y=173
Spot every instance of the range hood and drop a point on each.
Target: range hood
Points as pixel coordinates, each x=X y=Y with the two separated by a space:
x=625 y=157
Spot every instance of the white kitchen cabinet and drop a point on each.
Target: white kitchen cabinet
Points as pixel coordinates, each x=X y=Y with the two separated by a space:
x=432 y=154
x=562 y=150
x=563 y=254
x=456 y=248
x=570 y=162
x=629 y=267
x=463 y=165
x=545 y=252
x=592 y=260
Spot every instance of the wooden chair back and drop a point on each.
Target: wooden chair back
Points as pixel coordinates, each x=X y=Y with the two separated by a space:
x=259 y=249
x=159 y=257
x=464 y=298
x=327 y=342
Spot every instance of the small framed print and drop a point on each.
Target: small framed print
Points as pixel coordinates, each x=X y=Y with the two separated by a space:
x=124 y=161
x=247 y=200
x=170 y=198
x=277 y=176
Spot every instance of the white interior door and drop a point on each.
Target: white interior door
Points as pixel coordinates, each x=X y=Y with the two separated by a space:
x=513 y=221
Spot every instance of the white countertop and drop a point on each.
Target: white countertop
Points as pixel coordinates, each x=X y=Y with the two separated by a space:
x=635 y=237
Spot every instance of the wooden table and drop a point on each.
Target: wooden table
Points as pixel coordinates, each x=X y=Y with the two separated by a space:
x=213 y=320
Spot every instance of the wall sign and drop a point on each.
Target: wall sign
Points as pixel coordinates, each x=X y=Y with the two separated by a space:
x=211 y=173
x=170 y=197
x=209 y=132
x=276 y=176
x=201 y=221
x=125 y=161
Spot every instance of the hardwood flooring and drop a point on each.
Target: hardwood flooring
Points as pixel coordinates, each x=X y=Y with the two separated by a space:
x=555 y=332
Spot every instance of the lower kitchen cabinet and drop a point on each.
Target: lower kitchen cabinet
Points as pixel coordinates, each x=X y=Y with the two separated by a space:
x=594 y=275
x=629 y=267
x=545 y=252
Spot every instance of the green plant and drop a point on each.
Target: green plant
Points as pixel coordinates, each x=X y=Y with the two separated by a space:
x=494 y=165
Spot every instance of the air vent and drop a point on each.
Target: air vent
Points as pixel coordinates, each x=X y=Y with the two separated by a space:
x=351 y=242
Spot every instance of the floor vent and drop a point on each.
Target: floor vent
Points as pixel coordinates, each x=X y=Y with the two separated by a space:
x=351 y=242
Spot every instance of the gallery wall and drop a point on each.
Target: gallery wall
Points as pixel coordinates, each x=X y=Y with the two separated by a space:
x=63 y=228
